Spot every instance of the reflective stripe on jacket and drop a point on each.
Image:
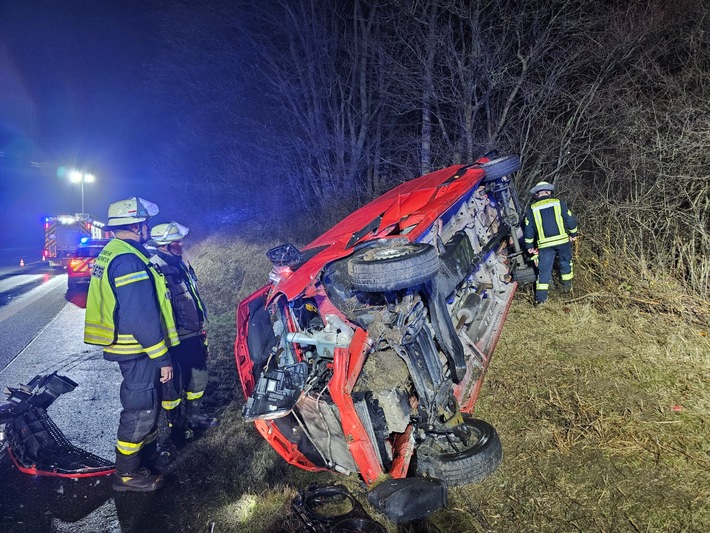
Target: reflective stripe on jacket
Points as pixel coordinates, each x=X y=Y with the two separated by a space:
x=188 y=309
x=156 y=329
x=548 y=222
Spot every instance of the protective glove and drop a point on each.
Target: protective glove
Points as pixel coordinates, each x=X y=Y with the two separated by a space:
x=533 y=255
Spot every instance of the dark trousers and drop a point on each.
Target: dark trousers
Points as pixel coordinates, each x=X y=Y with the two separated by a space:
x=546 y=258
x=189 y=380
x=138 y=424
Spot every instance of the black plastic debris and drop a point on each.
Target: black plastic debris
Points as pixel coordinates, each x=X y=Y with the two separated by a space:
x=409 y=499
x=35 y=444
x=331 y=508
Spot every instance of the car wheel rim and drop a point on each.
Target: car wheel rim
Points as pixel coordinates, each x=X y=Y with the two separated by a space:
x=382 y=254
x=449 y=444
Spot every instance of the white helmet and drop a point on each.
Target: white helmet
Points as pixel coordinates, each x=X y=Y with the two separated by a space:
x=542 y=186
x=164 y=234
x=130 y=211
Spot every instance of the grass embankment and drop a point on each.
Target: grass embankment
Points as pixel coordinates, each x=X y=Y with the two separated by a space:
x=601 y=400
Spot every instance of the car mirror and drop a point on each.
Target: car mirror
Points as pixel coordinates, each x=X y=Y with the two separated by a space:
x=284 y=255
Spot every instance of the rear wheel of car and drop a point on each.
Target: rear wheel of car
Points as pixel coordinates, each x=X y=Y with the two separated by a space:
x=497 y=168
x=461 y=463
x=390 y=268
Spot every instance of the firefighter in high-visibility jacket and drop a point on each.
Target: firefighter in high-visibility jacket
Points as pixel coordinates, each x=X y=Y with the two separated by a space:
x=187 y=388
x=128 y=312
x=549 y=229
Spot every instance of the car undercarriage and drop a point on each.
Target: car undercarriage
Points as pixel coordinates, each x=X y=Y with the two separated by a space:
x=374 y=362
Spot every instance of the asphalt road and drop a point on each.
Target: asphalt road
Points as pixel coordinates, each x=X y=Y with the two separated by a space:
x=41 y=331
x=29 y=299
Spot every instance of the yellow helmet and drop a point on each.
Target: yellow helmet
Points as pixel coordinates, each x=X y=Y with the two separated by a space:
x=164 y=234
x=130 y=211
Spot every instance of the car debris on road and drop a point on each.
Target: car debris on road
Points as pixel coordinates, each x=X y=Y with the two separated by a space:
x=34 y=442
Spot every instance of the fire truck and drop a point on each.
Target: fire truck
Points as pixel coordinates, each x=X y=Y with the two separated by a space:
x=63 y=233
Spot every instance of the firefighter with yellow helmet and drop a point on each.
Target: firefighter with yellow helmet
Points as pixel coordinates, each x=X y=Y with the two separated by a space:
x=128 y=312
x=549 y=229
x=183 y=395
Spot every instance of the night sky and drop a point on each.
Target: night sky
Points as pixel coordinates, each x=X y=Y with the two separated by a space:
x=72 y=94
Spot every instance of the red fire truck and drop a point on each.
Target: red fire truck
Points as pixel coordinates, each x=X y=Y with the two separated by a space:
x=63 y=233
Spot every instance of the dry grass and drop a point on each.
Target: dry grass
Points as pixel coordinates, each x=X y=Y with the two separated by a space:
x=586 y=415
x=600 y=398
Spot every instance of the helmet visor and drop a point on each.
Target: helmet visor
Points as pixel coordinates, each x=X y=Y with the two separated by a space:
x=145 y=208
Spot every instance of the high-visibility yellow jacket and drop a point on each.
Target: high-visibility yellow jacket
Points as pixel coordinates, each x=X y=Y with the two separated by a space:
x=548 y=222
x=128 y=309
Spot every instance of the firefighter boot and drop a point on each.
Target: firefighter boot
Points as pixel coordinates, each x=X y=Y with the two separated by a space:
x=197 y=421
x=202 y=422
x=131 y=476
x=567 y=286
x=141 y=480
x=155 y=459
x=179 y=432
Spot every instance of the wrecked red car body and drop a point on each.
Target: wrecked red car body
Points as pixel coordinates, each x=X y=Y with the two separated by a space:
x=367 y=350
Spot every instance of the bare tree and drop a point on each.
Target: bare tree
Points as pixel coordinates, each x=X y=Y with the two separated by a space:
x=319 y=65
x=608 y=100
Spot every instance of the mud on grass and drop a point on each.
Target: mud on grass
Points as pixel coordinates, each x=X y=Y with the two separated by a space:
x=601 y=404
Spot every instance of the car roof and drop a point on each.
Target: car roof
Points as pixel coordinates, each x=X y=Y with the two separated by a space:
x=412 y=206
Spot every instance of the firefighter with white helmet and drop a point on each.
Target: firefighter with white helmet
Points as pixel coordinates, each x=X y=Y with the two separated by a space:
x=549 y=229
x=128 y=312
x=190 y=356
x=164 y=234
x=130 y=211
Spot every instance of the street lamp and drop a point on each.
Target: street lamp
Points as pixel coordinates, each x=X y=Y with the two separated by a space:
x=79 y=177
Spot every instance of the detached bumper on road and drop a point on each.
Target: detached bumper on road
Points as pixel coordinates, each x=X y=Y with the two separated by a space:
x=34 y=442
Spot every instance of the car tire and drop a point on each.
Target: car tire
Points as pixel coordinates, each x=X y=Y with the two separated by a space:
x=390 y=268
x=438 y=458
x=502 y=166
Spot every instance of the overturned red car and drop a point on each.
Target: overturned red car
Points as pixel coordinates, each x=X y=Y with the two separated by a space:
x=367 y=350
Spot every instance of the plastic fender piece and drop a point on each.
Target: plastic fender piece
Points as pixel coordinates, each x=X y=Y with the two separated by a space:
x=409 y=499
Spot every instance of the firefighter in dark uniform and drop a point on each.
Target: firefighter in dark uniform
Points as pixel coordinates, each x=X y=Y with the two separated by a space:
x=128 y=312
x=190 y=356
x=549 y=230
